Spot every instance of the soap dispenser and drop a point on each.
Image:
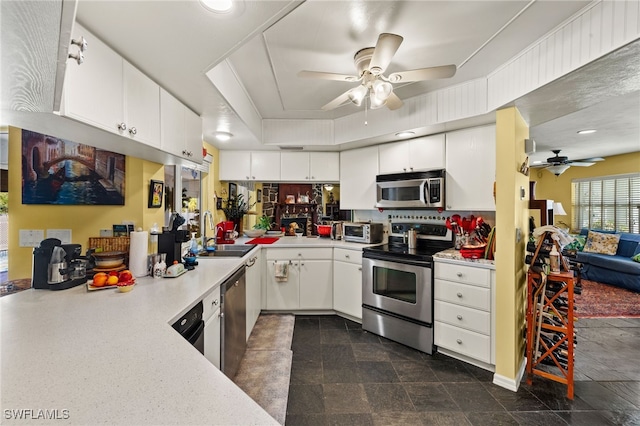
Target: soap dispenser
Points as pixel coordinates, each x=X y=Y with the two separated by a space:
x=193 y=248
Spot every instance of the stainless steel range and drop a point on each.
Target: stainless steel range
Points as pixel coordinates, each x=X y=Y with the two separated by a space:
x=397 y=283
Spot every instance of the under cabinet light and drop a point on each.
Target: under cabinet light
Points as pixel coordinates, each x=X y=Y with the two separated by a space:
x=586 y=131
x=405 y=134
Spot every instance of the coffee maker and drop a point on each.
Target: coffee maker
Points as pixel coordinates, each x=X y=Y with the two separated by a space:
x=58 y=266
x=225 y=232
x=171 y=239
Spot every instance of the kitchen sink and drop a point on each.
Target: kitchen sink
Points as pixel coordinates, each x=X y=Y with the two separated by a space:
x=228 y=250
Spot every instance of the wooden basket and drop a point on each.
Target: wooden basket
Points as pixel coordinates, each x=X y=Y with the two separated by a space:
x=109 y=243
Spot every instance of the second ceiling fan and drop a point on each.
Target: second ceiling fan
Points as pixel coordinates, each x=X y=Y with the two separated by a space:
x=371 y=63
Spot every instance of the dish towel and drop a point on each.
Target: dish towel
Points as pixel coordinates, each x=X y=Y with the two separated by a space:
x=281 y=271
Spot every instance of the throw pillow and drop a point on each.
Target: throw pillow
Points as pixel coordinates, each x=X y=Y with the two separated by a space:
x=597 y=242
x=636 y=258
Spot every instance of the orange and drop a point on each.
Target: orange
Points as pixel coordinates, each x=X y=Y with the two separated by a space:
x=100 y=279
x=112 y=280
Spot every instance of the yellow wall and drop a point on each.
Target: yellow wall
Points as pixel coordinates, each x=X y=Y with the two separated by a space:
x=511 y=215
x=558 y=188
x=84 y=221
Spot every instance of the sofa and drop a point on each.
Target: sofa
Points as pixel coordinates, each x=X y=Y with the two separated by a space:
x=618 y=269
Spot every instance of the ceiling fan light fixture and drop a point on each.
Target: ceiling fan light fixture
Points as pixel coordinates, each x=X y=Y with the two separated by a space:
x=376 y=102
x=586 y=131
x=357 y=94
x=382 y=89
x=558 y=169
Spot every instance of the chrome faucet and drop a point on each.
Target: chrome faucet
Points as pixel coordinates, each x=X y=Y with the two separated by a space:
x=207 y=217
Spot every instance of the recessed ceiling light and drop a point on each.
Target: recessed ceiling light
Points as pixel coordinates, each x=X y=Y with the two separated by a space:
x=405 y=134
x=218 y=6
x=223 y=136
x=586 y=131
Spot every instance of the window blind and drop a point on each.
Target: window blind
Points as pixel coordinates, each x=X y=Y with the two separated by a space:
x=610 y=203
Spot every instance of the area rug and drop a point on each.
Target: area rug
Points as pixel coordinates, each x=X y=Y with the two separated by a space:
x=265 y=369
x=600 y=300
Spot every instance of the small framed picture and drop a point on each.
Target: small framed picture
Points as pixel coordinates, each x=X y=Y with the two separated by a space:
x=156 y=193
x=291 y=199
x=233 y=190
x=120 y=231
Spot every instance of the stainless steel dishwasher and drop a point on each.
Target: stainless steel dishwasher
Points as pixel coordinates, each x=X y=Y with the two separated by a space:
x=234 y=319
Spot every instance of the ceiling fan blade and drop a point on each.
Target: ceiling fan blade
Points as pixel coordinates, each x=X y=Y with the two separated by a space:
x=431 y=73
x=591 y=159
x=581 y=163
x=393 y=101
x=327 y=76
x=337 y=101
x=386 y=47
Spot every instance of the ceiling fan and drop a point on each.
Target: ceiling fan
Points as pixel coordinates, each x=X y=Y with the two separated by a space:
x=371 y=63
x=560 y=163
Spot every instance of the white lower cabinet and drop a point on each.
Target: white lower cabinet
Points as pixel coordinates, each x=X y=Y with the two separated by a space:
x=464 y=322
x=212 y=338
x=347 y=282
x=309 y=282
x=211 y=316
x=254 y=290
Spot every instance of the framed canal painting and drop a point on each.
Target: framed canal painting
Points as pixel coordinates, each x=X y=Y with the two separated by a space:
x=58 y=171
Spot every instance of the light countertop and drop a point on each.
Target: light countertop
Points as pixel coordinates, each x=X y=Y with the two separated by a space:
x=111 y=357
x=454 y=256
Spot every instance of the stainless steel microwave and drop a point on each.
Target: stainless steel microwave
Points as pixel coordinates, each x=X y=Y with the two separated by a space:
x=416 y=190
x=363 y=232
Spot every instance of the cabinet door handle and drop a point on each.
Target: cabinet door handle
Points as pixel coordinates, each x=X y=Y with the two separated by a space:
x=247 y=177
x=313 y=177
x=221 y=314
x=79 y=57
x=347 y=256
x=459 y=274
x=81 y=43
x=460 y=317
x=411 y=168
x=360 y=268
x=404 y=169
x=133 y=131
x=302 y=264
x=253 y=177
x=459 y=341
x=459 y=294
x=122 y=127
x=214 y=302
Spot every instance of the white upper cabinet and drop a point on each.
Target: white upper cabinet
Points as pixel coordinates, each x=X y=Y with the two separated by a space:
x=180 y=130
x=109 y=93
x=324 y=166
x=358 y=170
x=310 y=166
x=247 y=165
x=413 y=155
x=471 y=168
x=142 y=106
x=265 y=165
x=93 y=92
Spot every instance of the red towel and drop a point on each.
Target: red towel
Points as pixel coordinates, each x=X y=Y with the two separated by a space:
x=263 y=240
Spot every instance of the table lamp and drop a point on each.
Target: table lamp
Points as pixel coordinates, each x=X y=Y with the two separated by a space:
x=558 y=210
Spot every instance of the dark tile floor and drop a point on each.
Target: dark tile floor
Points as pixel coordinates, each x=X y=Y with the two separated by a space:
x=342 y=375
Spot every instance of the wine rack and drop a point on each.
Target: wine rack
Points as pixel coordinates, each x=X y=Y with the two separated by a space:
x=550 y=329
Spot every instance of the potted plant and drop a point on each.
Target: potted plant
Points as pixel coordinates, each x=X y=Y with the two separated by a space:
x=263 y=222
x=235 y=209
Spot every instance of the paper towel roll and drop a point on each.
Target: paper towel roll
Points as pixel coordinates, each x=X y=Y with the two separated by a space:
x=138 y=247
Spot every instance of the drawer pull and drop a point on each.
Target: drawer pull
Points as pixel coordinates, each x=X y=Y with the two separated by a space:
x=460 y=317
x=458 y=341
x=214 y=302
x=459 y=294
x=459 y=274
x=347 y=256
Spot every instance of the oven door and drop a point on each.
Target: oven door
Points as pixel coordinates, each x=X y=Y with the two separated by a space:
x=400 y=288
